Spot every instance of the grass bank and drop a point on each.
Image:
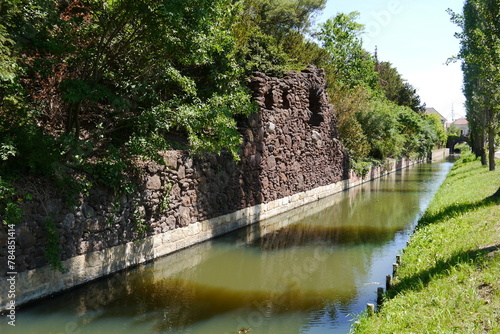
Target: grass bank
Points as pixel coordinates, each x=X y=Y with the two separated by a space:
x=449 y=277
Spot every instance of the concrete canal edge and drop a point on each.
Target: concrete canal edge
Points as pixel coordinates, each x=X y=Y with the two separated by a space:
x=41 y=282
x=439 y=154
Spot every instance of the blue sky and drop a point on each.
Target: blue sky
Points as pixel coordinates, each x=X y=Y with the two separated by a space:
x=417 y=37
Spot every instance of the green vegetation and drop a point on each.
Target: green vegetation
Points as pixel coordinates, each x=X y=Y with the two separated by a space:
x=480 y=40
x=379 y=113
x=10 y=211
x=448 y=279
x=53 y=250
x=90 y=87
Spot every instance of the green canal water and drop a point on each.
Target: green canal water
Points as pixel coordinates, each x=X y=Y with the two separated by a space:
x=311 y=270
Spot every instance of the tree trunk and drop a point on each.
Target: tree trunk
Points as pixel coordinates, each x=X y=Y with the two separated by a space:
x=479 y=150
x=70 y=119
x=73 y=119
x=491 y=147
x=477 y=143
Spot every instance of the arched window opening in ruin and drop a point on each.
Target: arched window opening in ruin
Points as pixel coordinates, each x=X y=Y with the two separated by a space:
x=315 y=107
x=269 y=99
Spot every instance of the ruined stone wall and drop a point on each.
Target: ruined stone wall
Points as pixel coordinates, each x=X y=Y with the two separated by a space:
x=289 y=147
x=293 y=140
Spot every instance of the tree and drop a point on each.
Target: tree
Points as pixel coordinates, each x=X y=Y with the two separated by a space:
x=480 y=53
x=371 y=99
x=341 y=38
x=101 y=69
x=279 y=18
x=408 y=97
x=390 y=80
x=435 y=122
x=396 y=89
x=347 y=103
x=7 y=61
x=381 y=125
x=271 y=35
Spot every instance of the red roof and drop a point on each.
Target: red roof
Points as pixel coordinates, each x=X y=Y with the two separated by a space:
x=461 y=121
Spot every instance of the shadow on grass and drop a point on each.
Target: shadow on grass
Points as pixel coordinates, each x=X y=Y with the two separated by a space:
x=457 y=210
x=457 y=173
x=442 y=268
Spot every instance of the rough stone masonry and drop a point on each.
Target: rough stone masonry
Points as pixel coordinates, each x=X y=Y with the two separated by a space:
x=290 y=146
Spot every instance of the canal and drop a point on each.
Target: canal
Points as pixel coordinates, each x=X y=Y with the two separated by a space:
x=311 y=270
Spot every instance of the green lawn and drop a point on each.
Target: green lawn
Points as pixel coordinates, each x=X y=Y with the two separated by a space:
x=449 y=278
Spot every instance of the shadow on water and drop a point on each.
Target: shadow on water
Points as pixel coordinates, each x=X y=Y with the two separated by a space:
x=364 y=215
x=172 y=305
x=298 y=235
x=301 y=272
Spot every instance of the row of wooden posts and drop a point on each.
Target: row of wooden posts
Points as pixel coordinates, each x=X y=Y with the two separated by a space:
x=370 y=308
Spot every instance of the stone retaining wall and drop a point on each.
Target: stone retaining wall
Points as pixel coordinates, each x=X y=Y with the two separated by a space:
x=439 y=154
x=41 y=282
x=290 y=156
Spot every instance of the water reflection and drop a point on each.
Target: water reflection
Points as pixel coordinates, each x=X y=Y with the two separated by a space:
x=294 y=236
x=302 y=272
x=366 y=214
